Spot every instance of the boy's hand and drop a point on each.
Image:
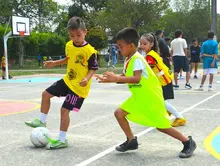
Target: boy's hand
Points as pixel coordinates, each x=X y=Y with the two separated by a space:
x=215 y=56
x=108 y=77
x=49 y=64
x=84 y=82
x=99 y=77
x=213 y=64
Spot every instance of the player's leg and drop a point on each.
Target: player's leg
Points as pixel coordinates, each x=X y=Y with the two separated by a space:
x=177 y=67
x=3 y=73
x=185 y=64
x=57 y=89
x=188 y=143
x=205 y=72
x=211 y=78
x=72 y=103
x=192 y=66
x=196 y=69
x=131 y=142
x=180 y=120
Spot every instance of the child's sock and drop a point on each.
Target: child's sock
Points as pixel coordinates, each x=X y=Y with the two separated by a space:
x=172 y=110
x=43 y=117
x=210 y=85
x=195 y=74
x=201 y=86
x=62 y=136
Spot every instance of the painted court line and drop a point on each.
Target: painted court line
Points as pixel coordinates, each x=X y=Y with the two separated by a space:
x=102 y=154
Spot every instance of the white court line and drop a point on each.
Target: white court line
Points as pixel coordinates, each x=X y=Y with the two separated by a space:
x=101 y=154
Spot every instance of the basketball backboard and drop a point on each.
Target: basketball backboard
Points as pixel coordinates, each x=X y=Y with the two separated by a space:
x=20 y=24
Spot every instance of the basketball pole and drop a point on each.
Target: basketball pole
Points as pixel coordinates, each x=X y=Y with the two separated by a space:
x=214 y=16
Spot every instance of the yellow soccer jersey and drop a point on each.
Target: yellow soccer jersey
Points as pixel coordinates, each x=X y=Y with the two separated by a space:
x=81 y=59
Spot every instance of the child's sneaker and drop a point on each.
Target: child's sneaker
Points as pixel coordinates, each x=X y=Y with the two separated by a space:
x=210 y=88
x=35 y=123
x=3 y=77
x=200 y=88
x=188 y=149
x=195 y=77
x=176 y=87
x=132 y=145
x=179 y=122
x=56 y=144
x=188 y=86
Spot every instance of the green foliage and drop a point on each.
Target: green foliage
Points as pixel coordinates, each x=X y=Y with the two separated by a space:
x=97 y=38
x=141 y=15
x=47 y=44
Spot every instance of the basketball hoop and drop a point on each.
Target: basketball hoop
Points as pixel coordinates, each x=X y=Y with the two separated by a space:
x=21 y=33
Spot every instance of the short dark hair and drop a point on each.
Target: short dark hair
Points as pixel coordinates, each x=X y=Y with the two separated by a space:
x=167 y=39
x=178 y=33
x=129 y=35
x=194 y=40
x=76 y=23
x=158 y=32
x=211 y=34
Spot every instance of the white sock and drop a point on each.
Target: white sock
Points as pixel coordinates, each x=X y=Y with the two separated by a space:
x=172 y=110
x=43 y=117
x=62 y=136
x=195 y=74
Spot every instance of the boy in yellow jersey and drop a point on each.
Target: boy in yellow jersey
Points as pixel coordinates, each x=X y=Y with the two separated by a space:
x=75 y=85
x=148 y=44
x=3 y=65
x=146 y=104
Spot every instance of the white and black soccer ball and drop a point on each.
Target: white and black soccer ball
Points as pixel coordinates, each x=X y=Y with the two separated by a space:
x=39 y=136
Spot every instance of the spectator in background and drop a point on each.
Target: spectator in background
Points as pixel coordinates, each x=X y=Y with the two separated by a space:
x=60 y=57
x=180 y=61
x=114 y=56
x=44 y=58
x=39 y=59
x=3 y=66
x=50 y=59
x=164 y=49
x=209 y=53
x=107 y=59
x=195 y=57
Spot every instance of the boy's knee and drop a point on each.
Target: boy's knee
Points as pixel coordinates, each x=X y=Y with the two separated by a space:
x=119 y=113
x=46 y=95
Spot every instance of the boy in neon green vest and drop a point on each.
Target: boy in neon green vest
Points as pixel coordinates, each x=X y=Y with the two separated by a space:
x=146 y=104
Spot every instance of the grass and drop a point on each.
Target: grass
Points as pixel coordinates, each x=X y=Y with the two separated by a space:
x=31 y=68
x=57 y=71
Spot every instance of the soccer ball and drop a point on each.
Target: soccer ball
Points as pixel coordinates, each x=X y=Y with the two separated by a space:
x=39 y=136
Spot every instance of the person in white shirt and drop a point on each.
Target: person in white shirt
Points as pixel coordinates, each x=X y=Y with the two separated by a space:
x=180 y=61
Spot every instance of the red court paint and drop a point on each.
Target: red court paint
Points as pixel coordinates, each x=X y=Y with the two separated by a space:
x=16 y=107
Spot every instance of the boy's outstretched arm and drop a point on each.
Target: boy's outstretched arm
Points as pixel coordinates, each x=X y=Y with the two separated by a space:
x=50 y=64
x=112 y=77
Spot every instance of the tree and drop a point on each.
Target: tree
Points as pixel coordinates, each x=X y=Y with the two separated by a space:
x=97 y=37
x=138 y=14
x=42 y=13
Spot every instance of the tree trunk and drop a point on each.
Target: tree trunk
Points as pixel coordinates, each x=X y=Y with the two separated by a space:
x=21 y=54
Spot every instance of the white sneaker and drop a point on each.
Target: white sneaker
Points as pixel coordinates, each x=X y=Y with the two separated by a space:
x=210 y=89
x=199 y=88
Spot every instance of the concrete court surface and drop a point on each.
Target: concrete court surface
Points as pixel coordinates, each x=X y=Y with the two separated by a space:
x=94 y=132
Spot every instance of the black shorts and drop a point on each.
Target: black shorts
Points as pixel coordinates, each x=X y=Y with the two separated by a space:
x=195 y=60
x=180 y=62
x=72 y=101
x=3 y=68
x=168 y=91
